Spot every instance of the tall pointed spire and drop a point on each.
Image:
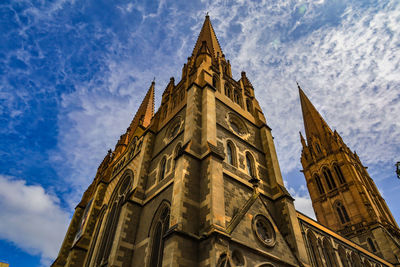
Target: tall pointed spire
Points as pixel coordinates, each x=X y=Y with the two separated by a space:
x=145 y=112
x=208 y=36
x=314 y=124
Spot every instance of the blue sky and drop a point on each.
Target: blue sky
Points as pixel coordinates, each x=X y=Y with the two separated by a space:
x=73 y=73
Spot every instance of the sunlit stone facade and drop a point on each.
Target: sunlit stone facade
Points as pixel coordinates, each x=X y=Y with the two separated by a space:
x=198 y=183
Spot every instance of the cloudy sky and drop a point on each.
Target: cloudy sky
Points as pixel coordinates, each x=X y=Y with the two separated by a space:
x=73 y=73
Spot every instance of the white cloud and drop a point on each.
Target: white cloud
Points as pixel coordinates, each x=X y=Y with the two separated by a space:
x=31 y=218
x=302 y=200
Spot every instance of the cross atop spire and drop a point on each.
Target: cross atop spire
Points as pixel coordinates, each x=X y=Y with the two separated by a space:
x=314 y=124
x=208 y=36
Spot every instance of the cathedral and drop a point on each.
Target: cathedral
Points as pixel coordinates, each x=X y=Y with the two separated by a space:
x=198 y=183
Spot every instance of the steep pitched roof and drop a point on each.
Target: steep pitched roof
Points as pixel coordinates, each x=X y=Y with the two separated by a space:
x=146 y=110
x=313 y=121
x=207 y=35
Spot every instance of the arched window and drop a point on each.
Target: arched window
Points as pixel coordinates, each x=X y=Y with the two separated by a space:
x=319 y=184
x=371 y=244
x=163 y=166
x=343 y=257
x=237 y=98
x=342 y=213
x=160 y=226
x=315 y=255
x=329 y=178
x=339 y=173
x=329 y=254
x=95 y=238
x=231 y=153
x=250 y=165
x=117 y=199
x=228 y=90
x=248 y=105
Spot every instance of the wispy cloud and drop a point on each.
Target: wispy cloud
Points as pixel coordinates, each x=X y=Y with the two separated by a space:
x=83 y=68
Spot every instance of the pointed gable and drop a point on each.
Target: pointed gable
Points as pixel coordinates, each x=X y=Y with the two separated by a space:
x=208 y=36
x=314 y=124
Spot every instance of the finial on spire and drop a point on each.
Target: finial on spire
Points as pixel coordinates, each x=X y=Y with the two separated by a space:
x=154 y=80
x=298 y=86
x=207 y=14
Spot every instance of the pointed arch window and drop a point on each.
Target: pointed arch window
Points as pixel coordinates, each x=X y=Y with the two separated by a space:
x=329 y=178
x=95 y=240
x=161 y=225
x=315 y=255
x=236 y=97
x=319 y=184
x=231 y=153
x=118 y=198
x=339 y=173
x=228 y=92
x=342 y=213
x=250 y=164
x=329 y=254
x=248 y=105
x=163 y=165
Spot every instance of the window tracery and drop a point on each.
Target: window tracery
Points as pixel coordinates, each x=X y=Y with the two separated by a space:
x=319 y=184
x=339 y=173
x=250 y=164
x=160 y=226
x=163 y=164
x=342 y=213
x=329 y=178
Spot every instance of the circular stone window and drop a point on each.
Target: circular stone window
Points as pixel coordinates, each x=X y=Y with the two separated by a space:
x=174 y=129
x=237 y=125
x=264 y=231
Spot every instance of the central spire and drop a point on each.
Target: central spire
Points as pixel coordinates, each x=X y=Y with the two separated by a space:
x=208 y=36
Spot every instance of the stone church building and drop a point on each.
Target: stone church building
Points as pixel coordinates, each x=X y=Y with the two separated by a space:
x=198 y=183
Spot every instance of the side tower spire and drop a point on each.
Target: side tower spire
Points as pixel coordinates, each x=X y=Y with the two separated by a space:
x=344 y=196
x=314 y=124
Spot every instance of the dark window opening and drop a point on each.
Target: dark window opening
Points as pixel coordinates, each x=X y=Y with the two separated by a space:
x=339 y=174
x=319 y=185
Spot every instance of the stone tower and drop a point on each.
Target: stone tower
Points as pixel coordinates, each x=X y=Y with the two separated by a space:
x=196 y=184
x=344 y=197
